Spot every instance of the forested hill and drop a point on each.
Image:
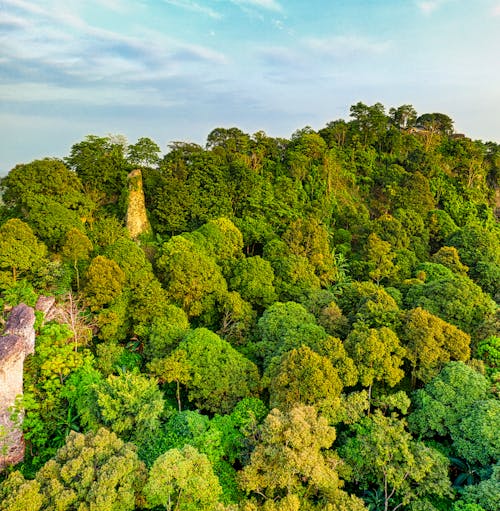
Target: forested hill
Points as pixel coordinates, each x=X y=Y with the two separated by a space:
x=297 y=324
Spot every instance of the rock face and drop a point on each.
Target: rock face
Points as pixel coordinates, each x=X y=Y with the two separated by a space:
x=17 y=341
x=137 y=218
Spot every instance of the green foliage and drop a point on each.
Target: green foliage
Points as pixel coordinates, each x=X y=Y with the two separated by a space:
x=253 y=278
x=20 y=250
x=19 y=494
x=285 y=326
x=431 y=342
x=484 y=495
x=96 y=471
x=56 y=358
x=382 y=453
x=165 y=332
x=303 y=377
x=455 y=299
x=182 y=480
x=104 y=281
x=220 y=375
x=290 y=460
x=192 y=279
x=378 y=355
x=445 y=400
x=129 y=404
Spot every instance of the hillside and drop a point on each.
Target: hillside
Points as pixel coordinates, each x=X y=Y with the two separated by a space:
x=260 y=324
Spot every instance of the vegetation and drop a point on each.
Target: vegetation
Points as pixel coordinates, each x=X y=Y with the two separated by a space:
x=311 y=324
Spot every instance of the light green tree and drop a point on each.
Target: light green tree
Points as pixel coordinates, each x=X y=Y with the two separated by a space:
x=76 y=247
x=290 y=462
x=378 y=355
x=303 y=377
x=20 y=250
x=92 y=472
x=183 y=480
x=383 y=454
x=104 y=282
x=129 y=404
x=220 y=375
x=431 y=342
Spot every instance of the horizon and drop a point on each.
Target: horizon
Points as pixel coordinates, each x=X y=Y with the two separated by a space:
x=176 y=69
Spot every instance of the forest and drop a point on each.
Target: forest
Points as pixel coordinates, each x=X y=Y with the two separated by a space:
x=261 y=323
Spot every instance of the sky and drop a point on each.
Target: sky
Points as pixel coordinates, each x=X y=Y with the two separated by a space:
x=173 y=70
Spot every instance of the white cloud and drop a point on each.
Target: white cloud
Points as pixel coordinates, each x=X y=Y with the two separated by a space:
x=270 y=5
x=188 y=5
x=342 y=46
x=428 y=7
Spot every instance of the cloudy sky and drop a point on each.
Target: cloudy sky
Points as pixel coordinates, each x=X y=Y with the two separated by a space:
x=176 y=69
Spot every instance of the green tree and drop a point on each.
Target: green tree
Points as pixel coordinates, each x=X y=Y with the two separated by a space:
x=379 y=258
x=76 y=248
x=303 y=377
x=455 y=299
x=101 y=165
x=431 y=342
x=48 y=178
x=104 y=282
x=19 y=494
x=183 y=480
x=253 y=278
x=285 y=326
x=129 y=404
x=173 y=368
x=192 y=279
x=485 y=493
x=290 y=460
x=383 y=454
x=220 y=375
x=144 y=153
x=96 y=471
x=20 y=250
x=378 y=355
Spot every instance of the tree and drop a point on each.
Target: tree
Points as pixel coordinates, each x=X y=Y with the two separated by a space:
x=104 y=282
x=253 y=278
x=380 y=258
x=290 y=461
x=48 y=178
x=144 y=153
x=403 y=117
x=382 y=453
x=220 y=375
x=455 y=403
x=369 y=121
x=431 y=342
x=192 y=279
x=76 y=248
x=20 y=250
x=285 y=326
x=308 y=238
x=19 y=494
x=448 y=256
x=129 y=404
x=100 y=164
x=304 y=377
x=96 y=471
x=173 y=368
x=378 y=355
x=455 y=299
x=183 y=480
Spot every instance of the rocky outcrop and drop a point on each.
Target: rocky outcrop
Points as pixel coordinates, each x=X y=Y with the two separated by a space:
x=137 y=218
x=17 y=341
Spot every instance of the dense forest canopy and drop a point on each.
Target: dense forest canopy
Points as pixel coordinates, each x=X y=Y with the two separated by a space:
x=304 y=324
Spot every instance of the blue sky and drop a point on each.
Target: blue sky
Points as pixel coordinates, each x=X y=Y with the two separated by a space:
x=176 y=69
